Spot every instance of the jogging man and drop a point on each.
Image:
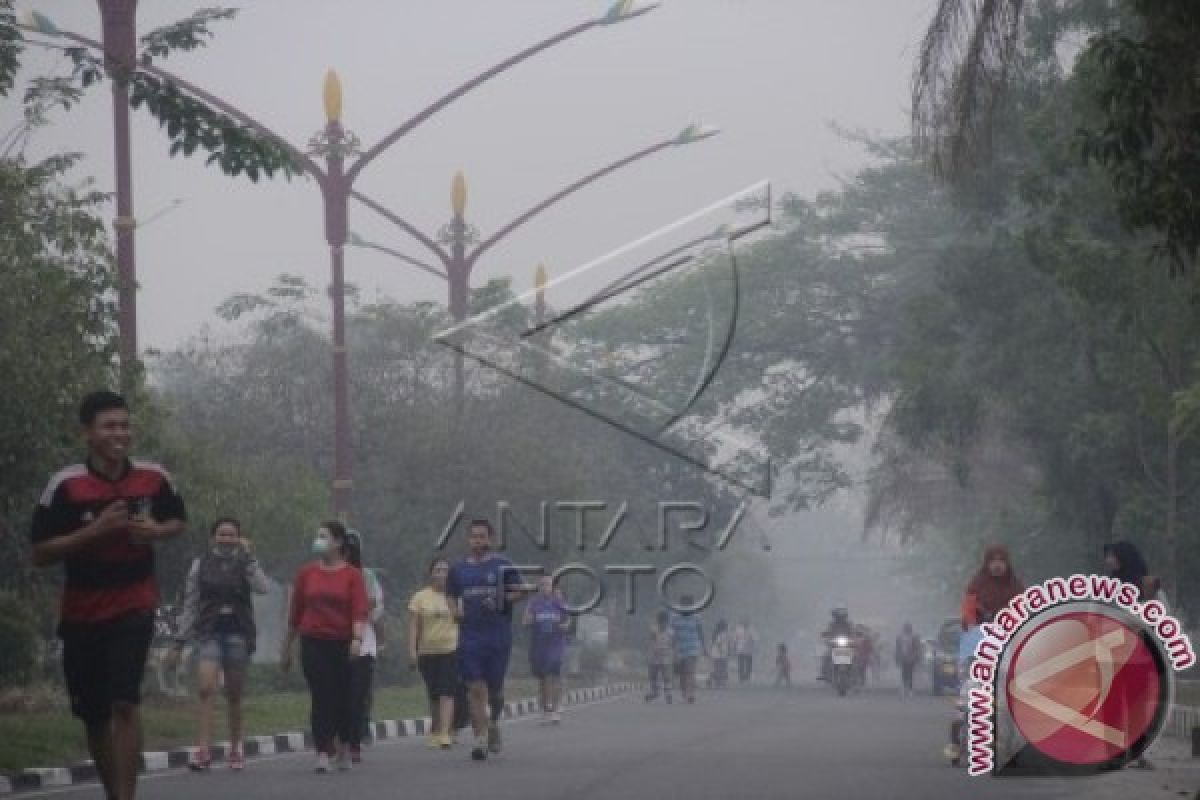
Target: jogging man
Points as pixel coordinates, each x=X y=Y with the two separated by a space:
x=482 y=589
x=101 y=519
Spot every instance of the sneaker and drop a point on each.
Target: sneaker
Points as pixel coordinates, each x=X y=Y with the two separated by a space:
x=479 y=751
x=201 y=760
x=494 y=742
x=322 y=763
x=237 y=761
x=343 y=759
x=433 y=740
x=555 y=718
x=445 y=741
x=355 y=755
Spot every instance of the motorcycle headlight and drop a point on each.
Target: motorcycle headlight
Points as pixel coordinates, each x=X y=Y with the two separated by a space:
x=842 y=641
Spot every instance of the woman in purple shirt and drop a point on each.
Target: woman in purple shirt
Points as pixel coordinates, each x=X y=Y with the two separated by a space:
x=548 y=621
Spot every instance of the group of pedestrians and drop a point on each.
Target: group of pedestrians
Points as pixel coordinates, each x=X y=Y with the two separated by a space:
x=995 y=584
x=677 y=643
x=102 y=520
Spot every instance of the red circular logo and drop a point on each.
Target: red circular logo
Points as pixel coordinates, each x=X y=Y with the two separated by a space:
x=1085 y=688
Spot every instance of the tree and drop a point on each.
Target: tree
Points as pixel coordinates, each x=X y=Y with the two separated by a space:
x=56 y=334
x=190 y=123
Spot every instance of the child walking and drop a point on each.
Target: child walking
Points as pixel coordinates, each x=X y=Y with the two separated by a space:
x=660 y=656
x=783 y=667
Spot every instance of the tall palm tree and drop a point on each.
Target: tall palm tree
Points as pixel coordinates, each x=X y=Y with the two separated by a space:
x=960 y=77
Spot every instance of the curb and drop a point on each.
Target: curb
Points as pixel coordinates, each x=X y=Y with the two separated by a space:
x=1181 y=720
x=287 y=742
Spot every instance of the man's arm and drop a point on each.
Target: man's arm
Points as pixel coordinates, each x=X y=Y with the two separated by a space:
x=167 y=517
x=49 y=547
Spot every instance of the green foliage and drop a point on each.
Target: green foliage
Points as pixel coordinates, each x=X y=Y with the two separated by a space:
x=1144 y=82
x=56 y=333
x=19 y=641
x=190 y=122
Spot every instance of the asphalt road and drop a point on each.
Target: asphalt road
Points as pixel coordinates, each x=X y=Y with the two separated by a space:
x=756 y=743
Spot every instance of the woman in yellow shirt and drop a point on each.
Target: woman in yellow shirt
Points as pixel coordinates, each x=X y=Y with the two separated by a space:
x=432 y=648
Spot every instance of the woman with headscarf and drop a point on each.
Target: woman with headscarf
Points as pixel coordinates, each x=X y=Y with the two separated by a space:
x=1124 y=561
x=992 y=588
x=362 y=667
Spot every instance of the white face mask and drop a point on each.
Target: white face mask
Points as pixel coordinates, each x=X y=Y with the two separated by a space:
x=321 y=545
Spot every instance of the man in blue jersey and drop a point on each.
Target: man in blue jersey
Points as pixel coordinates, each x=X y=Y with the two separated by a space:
x=483 y=588
x=688 y=636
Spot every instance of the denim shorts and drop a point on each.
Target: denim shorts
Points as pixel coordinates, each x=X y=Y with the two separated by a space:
x=230 y=650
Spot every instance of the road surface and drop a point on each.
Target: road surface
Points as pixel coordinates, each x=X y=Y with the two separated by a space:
x=754 y=743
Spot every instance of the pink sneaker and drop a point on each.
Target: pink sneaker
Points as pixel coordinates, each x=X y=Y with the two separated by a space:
x=237 y=761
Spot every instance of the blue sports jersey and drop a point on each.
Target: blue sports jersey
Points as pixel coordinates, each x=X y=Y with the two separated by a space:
x=548 y=616
x=487 y=613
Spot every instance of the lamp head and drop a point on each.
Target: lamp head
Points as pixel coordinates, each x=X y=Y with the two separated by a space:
x=458 y=194
x=333 y=97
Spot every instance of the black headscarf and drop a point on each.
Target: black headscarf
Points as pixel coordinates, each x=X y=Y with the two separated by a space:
x=1131 y=567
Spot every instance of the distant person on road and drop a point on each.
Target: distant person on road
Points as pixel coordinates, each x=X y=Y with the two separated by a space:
x=991 y=589
x=548 y=621
x=688 y=639
x=783 y=667
x=102 y=519
x=720 y=654
x=659 y=656
x=328 y=612
x=362 y=667
x=483 y=588
x=218 y=620
x=745 y=641
x=433 y=650
x=1124 y=561
x=908 y=655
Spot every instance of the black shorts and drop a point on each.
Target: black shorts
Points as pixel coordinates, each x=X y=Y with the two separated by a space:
x=440 y=673
x=103 y=663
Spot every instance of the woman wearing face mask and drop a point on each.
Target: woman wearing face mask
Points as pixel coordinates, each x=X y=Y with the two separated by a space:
x=328 y=611
x=218 y=618
x=994 y=585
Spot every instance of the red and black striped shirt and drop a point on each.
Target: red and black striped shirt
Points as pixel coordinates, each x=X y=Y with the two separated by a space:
x=114 y=576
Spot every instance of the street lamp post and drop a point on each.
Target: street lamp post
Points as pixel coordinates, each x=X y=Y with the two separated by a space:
x=119 y=24
x=336 y=181
x=459 y=247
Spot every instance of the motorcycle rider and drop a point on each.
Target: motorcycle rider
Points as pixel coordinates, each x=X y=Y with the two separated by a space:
x=839 y=625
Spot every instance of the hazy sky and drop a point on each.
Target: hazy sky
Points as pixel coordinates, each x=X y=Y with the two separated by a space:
x=773 y=74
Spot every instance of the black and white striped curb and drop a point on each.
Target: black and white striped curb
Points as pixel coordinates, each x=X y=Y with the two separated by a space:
x=290 y=742
x=1182 y=720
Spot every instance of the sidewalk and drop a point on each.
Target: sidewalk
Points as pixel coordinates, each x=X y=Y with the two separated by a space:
x=285 y=742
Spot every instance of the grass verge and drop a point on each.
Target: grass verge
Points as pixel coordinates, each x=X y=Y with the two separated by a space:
x=54 y=738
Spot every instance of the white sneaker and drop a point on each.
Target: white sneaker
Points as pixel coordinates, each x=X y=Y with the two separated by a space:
x=343 y=759
x=556 y=718
x=322 y=763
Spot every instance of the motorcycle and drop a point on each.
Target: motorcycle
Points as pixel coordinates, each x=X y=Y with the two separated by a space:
x=956 y=751
x=841 y=659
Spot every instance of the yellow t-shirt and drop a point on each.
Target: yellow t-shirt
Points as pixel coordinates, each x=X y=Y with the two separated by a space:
x=439 y=630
